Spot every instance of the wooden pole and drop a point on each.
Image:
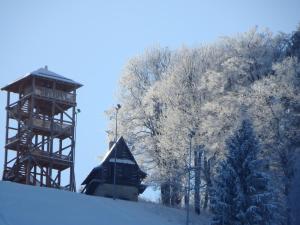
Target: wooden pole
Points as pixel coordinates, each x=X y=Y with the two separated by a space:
x=6 y=134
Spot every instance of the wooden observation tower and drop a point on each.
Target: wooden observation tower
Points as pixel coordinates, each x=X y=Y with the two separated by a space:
x=40 y=130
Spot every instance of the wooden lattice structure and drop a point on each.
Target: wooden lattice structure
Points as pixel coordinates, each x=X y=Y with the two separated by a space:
x=40 y=130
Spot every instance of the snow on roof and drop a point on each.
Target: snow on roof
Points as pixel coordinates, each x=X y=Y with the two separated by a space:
x=125 y=161
x=44 y=73
x=109 y=151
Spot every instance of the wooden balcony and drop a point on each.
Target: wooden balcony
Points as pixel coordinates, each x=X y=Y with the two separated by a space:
x=38 y=124
x=42 y=127
x=61 y=130
x=52 y=94
x=47 y=159
x=55 y=94
x=43 y=158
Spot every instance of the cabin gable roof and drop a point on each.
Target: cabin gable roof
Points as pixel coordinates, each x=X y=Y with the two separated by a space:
x=121 y=147
x=124 y=156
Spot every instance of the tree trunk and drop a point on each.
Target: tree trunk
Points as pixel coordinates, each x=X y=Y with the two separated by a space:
x=207 y=176
x=197 y=165
x=206 y=196
x=165 y=193
x=175 y=195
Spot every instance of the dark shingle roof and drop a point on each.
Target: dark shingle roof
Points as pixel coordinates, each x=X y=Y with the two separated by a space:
x=97 y=170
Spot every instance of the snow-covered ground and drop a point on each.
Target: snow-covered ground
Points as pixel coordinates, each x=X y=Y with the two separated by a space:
x=28 y=205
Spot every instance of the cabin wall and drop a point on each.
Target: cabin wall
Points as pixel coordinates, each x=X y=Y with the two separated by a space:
x=120 y=191
x=126 y=174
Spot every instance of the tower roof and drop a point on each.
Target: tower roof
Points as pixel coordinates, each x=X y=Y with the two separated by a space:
x=43 y=73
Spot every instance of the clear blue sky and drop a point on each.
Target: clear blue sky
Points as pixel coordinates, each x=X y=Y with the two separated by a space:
x=90 y=42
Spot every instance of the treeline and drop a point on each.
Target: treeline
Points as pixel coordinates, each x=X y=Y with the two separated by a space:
x=209 y=91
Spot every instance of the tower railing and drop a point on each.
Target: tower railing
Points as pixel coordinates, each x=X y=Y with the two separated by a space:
x=52 y=93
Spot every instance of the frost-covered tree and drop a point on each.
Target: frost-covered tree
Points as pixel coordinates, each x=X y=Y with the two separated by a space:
x=164 y=94
x=274 y=101
x=138 y=120
x=242 y=194
x=274 y=105
x=249 y=57
x=294 y=48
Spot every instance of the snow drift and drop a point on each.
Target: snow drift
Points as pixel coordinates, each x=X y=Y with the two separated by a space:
x=29 y=205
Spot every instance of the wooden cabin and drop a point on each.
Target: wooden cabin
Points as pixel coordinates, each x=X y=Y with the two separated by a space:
x=100 y=181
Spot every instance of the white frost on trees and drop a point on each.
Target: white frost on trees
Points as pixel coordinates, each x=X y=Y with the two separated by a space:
x=242 y=192
x=164 y=94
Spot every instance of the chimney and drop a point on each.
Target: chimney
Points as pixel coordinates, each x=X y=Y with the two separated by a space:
x=111 y=143
x=46 y=67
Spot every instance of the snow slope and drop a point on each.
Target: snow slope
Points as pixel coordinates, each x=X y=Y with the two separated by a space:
x=28 y=205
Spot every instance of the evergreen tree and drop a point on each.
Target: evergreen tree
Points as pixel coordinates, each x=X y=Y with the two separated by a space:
x=242 y=194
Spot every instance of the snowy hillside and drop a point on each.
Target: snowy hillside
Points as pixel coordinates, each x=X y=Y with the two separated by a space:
x=28 y=205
